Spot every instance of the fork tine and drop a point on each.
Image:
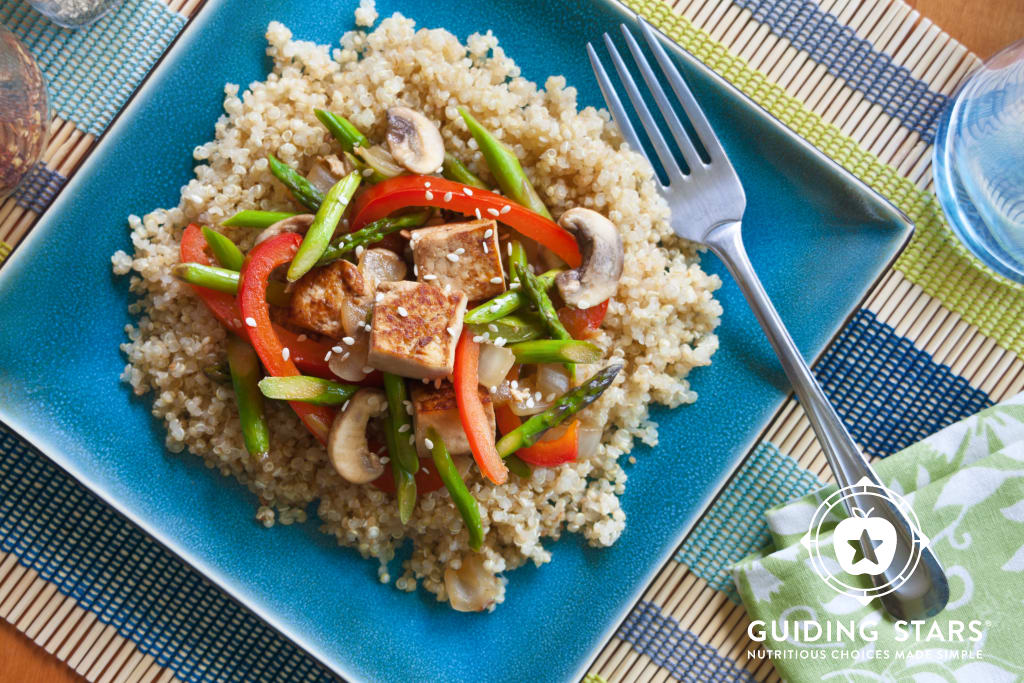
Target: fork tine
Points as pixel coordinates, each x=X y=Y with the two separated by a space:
x=658 y=141
x=682 y=139
x=700 y=123
x=611 y=98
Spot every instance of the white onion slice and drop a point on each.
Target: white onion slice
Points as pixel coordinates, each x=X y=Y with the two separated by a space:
x=350 y=365
x=495 y=362
x=471 y=588
x=589 y=441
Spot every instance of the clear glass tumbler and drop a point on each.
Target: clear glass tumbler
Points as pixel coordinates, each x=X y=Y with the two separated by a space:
x=74 y=13
x=24 y=117
x=979 y=162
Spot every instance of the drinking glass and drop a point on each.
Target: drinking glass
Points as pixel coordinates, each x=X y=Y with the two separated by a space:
x=979 y=162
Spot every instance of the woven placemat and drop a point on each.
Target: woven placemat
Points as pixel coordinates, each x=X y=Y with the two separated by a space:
x=939 y=338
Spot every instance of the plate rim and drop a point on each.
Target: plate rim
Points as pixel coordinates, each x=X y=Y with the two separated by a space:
x=123 y=118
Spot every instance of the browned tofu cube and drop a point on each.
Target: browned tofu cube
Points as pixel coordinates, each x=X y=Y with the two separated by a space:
x=414 y=330
x=319 y=297
x=437 y=408
x=463 y=255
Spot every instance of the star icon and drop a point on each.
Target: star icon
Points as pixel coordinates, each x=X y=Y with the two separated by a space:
x=864 y=547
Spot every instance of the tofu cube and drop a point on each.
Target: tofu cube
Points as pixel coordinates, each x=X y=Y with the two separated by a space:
x=415 y=328
x=436 y=407
x=463 y=255
x=319 y=297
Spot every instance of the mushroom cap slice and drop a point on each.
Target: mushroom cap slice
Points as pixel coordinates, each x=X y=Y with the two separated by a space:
x=346 y=443
x=597 y=278
x=299 y=223
x=414 y=140
x=471 y=588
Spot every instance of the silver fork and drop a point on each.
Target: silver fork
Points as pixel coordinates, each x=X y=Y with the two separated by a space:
x=711 y=198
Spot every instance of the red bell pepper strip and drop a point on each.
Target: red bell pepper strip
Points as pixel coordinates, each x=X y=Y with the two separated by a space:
x=405 y=191
x=252 y=299
x=546 y=452
x=583 y=323
x=309 y=355
x=425 y=481
x=471 y=409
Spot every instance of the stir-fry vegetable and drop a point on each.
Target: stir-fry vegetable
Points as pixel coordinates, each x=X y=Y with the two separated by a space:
x=224 y=250
x=245 y=373
x=505 y=167
x=404 y=481
x=507 y=302
x=406 y=191
x=564 y=407
x=556 y=351
x=464 y=501
x=224 y=280
x=471 y=410
x=546 y=452
x=583 y=323
x=404 y=452
x=307 y=354
x=276 y=357
x=305 y=192
x=534 y=289
x=374 y=232
x=453 y=169
x=517 y=467
x=318 y=237
x=516 y=327
x=218 y=372
x=257 y=219
x=342 y=130
x=316 y=390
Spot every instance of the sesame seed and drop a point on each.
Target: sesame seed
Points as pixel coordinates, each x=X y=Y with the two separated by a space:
x=428 y=443
x=379 y=297
x=509 y=248
x=454 y=258
x=251 y=322
x=496 y=280
x=488 y=233
x=412 y=440
x=486 y=250
x=479 y=338
x=385 y=460
x=285 y=353
x=469 y=192
x=451 y=330
x=402 y=312
x=426 y=184
x=460 y=251
x=404 y=428
x=429 y=276
x=537 y=395
x=367 y=172
x=500 y=341
x=447 y=288
x=348 y=340
x=506 y=208
x=477 y=212
x=359 y=251
x=302 y=337
x=514 y=384
x=415 y=270
x=447 y=196
x=493 y=212
x=345 y=406
x=327 y=357
x=492 y=327
x=429 y=195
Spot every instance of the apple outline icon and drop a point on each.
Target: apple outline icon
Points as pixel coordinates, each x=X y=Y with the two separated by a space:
x=851 y=529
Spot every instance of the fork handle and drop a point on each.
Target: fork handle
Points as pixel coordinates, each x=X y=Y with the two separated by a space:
x=927 y=592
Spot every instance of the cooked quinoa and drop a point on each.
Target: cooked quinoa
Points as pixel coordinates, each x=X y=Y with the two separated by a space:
x=660 y=323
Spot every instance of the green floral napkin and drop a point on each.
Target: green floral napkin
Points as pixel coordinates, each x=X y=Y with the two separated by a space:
x=966 y=485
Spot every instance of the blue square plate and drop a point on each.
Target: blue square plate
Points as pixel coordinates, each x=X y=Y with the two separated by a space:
x=818 y=237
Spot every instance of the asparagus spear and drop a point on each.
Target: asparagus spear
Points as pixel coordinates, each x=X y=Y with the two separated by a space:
x=567 y=405
x=405 y=482
x=303 y=190
x=404 y=453
x=224 y=250
x=370 y=174
x=513 y=328
x=556 y=351
x=374 y=232
x=318 y=237
x=224 y=280
x=453 y=169
x=245 y=372
x=464 y=501
x=342 y=130
x=322 y=392
x=218 y=372
x=507 y=302
x=256 y=219
x=505 y=167
x=517 y=467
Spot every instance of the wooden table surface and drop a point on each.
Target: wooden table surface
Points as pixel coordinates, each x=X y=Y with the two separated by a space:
x=985 y=27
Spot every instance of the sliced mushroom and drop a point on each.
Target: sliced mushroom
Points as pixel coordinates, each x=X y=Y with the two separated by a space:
x=382 y=265
x=299 y=223
x=346 y=444
x=351 y=363
x=414 y=140
x=601 y=248
x=326 y=171
x=471 y=588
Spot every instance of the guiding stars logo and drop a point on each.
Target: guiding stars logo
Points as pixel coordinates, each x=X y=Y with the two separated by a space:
x=862 y=544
